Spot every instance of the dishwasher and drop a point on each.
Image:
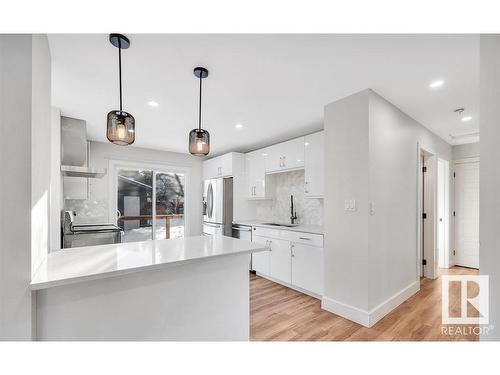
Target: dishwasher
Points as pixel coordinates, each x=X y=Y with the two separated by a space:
x=243 y=232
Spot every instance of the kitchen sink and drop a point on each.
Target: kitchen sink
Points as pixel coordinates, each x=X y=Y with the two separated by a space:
x=281 y=225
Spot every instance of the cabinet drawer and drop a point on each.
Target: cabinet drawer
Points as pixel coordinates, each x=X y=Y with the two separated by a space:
x=306 y=238
x=290 y=235
x=269 y=232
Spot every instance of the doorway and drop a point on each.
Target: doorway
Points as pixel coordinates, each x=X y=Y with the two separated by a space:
x=466 y=214
x=148 y=201
x=433 y=214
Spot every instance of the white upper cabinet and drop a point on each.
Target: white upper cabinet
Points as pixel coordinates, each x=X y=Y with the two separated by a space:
x=285 y=155
x=314 y=165
x=220 y=166
x=255 y=170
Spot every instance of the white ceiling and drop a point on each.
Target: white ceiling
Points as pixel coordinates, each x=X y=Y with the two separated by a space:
x=275 y=85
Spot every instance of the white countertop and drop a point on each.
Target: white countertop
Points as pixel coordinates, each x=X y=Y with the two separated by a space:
x=306 y=228
x=69 y=266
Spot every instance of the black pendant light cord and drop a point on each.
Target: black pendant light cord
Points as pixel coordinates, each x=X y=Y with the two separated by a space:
x=199 y=109
x=120 y=70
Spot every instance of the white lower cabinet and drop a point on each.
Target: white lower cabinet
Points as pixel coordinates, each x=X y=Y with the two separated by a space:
x=260 y=260
x=296 y=264
x=280 y=262
x=307 y=267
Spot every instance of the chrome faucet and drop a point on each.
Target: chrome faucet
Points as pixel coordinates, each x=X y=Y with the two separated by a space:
x=293 y=216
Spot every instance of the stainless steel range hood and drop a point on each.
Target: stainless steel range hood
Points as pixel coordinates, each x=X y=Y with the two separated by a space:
x=75 y=150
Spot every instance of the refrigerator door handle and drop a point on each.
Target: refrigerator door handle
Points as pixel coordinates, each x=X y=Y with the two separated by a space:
x=212 y=225
x=210 y=200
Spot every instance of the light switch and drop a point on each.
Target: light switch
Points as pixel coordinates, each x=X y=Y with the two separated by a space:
x=350 y=205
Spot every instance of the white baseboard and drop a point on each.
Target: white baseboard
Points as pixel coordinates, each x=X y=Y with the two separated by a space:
x=369 y=318
x=391 y=303
x=346 y=311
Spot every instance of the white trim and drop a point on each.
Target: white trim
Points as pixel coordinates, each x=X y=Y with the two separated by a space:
x=391 y=303
x=346 y=311
x=370 y=318
x=474 y=159
x=113 y=166
x=429 y=272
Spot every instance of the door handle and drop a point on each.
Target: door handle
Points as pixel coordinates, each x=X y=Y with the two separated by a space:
x=212 y=225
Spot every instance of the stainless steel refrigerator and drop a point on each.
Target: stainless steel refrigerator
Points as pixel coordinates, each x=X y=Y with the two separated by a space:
x=217 y=206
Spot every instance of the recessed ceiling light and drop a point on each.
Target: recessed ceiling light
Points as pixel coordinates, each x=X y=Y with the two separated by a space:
x=306 y=143
x=238 y=126
x=264 y=154
x=466 y=118
x=436 y=84
x=152 y=103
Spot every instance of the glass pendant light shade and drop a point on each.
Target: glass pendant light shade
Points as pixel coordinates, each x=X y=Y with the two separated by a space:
x=199 y=142
x=199 y=139
x=121 y=125
x=121 y=128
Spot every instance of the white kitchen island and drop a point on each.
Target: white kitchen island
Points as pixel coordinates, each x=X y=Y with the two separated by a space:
x=193 y=288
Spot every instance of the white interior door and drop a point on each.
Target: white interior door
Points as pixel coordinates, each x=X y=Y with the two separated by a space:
x=443 y=213
x=429 y=226
x=467 y=214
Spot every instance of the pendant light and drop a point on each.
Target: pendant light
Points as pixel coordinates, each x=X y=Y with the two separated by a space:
x=199 y=139
x=121 y=125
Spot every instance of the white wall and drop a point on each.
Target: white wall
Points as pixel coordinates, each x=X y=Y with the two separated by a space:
x=394 y=189
x=55 y=180
x=469 y=150
x=97 y=207
x=489 y=213
x=372 y=158
x=41 y=135
x=346 y=177
x=23 y=113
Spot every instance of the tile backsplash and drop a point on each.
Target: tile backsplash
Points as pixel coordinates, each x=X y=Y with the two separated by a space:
x=277 y=209
x=88 y=211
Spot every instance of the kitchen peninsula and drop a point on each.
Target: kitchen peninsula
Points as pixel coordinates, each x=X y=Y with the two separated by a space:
x=193 y=288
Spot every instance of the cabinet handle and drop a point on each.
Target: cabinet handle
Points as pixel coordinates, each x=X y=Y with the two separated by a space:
x=284 y=161
x=304 y=238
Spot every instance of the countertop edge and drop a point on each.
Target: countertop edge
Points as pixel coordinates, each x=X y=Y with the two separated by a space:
x=35 y=286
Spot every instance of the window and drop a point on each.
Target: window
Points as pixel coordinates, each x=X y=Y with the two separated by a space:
x=150 y=203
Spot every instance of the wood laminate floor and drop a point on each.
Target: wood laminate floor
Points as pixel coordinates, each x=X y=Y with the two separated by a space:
x=278 y=313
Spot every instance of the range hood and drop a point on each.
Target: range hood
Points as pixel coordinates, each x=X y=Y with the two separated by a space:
x=75 y=150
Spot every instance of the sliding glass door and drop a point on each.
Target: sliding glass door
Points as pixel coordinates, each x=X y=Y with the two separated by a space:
x=150 y=203
x=169 y=205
